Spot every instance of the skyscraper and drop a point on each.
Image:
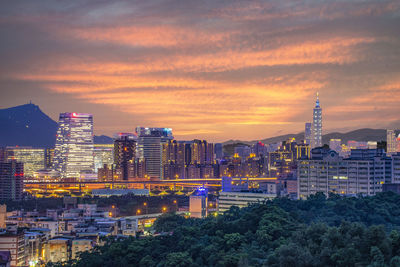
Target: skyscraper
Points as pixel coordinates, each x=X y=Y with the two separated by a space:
x=316 y=139
x=308 y=133
x=74 y=145
x=150 y=142
x=124 y=153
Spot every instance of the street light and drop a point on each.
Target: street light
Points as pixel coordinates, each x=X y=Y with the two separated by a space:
x=138 y=211
x=164 y=209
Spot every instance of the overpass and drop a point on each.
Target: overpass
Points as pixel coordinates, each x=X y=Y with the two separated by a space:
x=208 y=182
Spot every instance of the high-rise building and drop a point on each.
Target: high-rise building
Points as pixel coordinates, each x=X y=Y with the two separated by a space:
x=125 y=153
x=103 y=154
x=150 y=142
x=32 y=158
x=316 y=136
x=308 y=133
x=74 y=145
x=11 y=180
x=391 y=142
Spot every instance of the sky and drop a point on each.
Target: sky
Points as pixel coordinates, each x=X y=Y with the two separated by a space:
x=215 y=70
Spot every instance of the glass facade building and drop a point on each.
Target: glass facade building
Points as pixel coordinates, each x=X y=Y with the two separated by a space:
x=74 y=145
x=32 y=158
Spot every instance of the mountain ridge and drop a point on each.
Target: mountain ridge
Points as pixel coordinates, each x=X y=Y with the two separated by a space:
x=28 y=125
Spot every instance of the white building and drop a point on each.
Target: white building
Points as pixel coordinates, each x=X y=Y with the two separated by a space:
x=74 y=145
x=241 y=199
x=342 y=176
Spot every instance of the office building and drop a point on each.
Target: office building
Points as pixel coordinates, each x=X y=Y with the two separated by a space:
x=11 y=180
x=32 y=158
x=125 y=146
x=150 y=142
x=308 y=133
x=103 y=154
x=316 y=136
x=74 y=145
x=363 y=173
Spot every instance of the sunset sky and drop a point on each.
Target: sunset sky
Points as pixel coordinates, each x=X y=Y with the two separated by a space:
x=216 y=70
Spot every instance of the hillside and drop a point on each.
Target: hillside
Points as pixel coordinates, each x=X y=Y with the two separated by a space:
x=365 y=134
x=27 y=125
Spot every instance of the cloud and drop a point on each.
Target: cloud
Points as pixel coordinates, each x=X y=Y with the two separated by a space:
x=208 y=69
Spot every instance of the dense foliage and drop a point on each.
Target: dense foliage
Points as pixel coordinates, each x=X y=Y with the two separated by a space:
x=315 y=232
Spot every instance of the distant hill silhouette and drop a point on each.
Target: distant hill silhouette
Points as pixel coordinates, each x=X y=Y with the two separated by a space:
x=27 y=125
x=365 y=134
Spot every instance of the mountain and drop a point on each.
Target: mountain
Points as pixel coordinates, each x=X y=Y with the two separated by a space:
x=365 y=134
x=27 y=125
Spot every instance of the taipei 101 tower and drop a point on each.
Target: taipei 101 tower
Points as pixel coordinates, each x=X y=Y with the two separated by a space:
x=316 y=137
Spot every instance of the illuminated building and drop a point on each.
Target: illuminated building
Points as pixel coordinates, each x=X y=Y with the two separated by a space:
x=15 y=243
x=48 y=157
x=391 y=143
x=3 y=216
x=57 y=249
x=150 y=142
x=363 y=173
x=336 y=145
x=173 y=159
x=198 y=203
x=243 y=151
x=125 y=153
x=259 y=149
x=372 y=144
x=316 y=137
x=32 y=158
x=103 y=154
x=34 y=247
x=74 y=145
x=11 y=180
x=308 y=133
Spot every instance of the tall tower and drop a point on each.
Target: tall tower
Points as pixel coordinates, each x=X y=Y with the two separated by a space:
x=74 y=145
x=316 y=139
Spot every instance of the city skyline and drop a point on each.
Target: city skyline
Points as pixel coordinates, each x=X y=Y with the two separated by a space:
x=243 y=70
